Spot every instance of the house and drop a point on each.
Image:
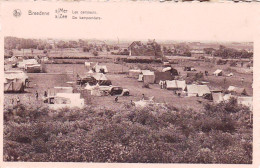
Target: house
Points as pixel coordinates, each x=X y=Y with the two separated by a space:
x=175 y=85
x=197 y=53
x=197 y=90
x=137 y=48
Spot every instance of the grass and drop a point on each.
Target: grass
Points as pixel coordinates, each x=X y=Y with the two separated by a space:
x=153 y=135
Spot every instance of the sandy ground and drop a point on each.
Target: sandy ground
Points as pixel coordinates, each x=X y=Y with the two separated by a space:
x=59 y=74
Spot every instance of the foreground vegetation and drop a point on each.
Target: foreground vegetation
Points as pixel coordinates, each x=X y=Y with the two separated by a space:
x=219 y=133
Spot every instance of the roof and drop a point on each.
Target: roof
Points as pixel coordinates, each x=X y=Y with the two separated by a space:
x=99 y=76
x=197 y=89
x=217 y=71
x=166 y=69
x=237 y=90
x=147 y=72
x=175 y=84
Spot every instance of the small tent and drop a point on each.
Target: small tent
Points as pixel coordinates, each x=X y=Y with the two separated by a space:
x=218 y=72
x=197 y=90
x=175 y=85
x=217 y=97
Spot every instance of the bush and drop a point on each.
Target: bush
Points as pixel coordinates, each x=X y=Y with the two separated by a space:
x=215 y=134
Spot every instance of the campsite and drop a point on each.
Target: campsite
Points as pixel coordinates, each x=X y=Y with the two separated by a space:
x=71 y=80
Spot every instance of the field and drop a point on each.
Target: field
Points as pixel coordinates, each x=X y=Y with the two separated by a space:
x=187 y=130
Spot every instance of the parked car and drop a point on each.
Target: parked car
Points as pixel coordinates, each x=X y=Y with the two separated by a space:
x=117 y=90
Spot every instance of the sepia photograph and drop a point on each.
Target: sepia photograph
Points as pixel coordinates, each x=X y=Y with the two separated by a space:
x=90 y=84
x=89 y=100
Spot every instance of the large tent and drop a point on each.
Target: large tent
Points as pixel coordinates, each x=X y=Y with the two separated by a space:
x=175 y=85
x=16 y=74
x=237 y=90
x=134 y=73
x=34 y=68
x=27 y=62
x=197 y=90
x=100 y=68
x=147 y=76
x=13 y=85
x=163 y=76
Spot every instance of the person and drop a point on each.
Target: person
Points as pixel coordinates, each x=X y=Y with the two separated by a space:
x=45 y=94
x=242 y=80
x=142 y=96
x=18 y=100
x=116 y=99
x=225 y=80
x=164 y=84
x=132 y=103
x=36 y=95
x=12 y=101
x=161 y=84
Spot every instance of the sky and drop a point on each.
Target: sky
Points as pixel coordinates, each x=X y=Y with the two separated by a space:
x=135 y=21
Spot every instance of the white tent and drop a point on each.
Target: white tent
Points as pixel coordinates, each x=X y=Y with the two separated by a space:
x=197 y=90
x=175 y=84
x=134 y=73
x=166 y=69
x=218 y=72
x=99 y=76
x=69 y=100
x=98 y=68
x=23 y=64
x=246 y=101
x=16 y=74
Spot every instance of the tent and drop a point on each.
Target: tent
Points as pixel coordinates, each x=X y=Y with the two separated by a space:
x=247 y=101
x=101 y=79
x=175 y=85
x=100 y=68
x=134 y=73
x=217 y=97
x=63 y=100
x=148 y=76
x=54 y=91
x=173 y=71
x=230 y=74
x=218 y=72
x=16 y=74
x=13 y=85
x=162 y=76
x=34 y=68
x=237 y=90
x=197 y=90
x=23 y=64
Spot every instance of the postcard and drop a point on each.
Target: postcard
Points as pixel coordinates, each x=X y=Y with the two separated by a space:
x=109 y=84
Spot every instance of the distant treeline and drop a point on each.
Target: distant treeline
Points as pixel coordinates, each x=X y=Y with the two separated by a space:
x=226 y=53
